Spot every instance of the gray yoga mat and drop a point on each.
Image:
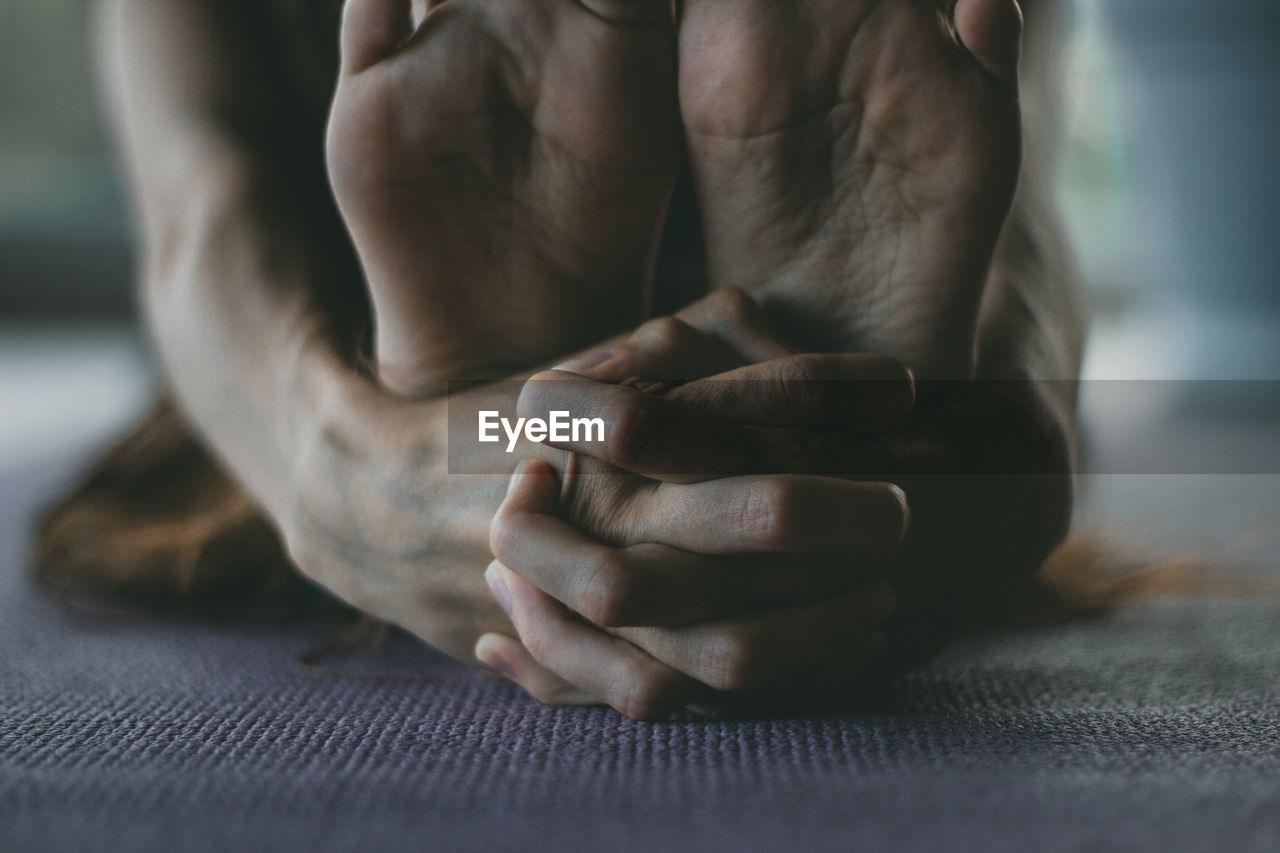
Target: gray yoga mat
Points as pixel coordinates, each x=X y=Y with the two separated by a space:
x=1156 y=727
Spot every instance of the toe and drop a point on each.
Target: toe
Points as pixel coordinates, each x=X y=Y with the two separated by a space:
x=991 y=30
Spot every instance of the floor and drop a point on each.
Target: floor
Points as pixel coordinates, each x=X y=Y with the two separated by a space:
x=1152 y=728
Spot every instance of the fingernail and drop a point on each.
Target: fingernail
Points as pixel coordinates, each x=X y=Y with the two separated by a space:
x=585 y=362
x=498 y=587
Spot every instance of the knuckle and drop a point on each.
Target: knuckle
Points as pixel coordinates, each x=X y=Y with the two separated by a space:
x=627 y=439
x=604 y=502
x=800 y=368
x=734 y=303
x=606 y=593
x=639 y=693
x=536 y=393
x=798 y=380
x=627 y=354
x=663 y=333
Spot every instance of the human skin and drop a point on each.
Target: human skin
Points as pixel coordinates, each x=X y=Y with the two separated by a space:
x=246 y=309
x=986 y=471
x=922 y=133
x=426 y=152
x=504 y=170
x=247 y=289
x=1011 y=440
x=855 y=163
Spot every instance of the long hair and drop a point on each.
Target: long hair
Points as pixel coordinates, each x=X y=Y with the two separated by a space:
x=158 y=520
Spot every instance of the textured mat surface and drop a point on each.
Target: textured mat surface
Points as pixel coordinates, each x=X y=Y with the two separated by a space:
x=1155 y=728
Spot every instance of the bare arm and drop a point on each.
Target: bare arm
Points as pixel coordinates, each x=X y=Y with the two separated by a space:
x=252 y=297
x=244 y=260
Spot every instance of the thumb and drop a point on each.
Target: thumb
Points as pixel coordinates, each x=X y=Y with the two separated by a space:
x=372 y=30
x=991 y=30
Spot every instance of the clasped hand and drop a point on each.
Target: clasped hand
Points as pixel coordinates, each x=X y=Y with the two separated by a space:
x=739 y=543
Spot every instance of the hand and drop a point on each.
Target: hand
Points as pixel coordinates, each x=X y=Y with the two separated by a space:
x=995 y=433
x=786 y=615
x=991 y=473
x=987 y=467
x=770 y=656
x=372 y=512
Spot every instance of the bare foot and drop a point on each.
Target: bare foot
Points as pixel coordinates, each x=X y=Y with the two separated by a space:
x=855 y=161
x=504 y=169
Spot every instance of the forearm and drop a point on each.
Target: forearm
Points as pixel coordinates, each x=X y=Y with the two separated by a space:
x=238 y=311
x=237 y=282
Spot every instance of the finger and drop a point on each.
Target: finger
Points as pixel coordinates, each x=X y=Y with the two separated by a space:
x=775 y=514
x=371 y=31
x=805 y=691
x=800 y=643
x=991 y=30
x=721 y=332
x=648 y=584
x=648 y=435
x=672 y=440
x=664 y=349
x=509 y=657
x=621 y=675
x=735 y=318
x=864 y=392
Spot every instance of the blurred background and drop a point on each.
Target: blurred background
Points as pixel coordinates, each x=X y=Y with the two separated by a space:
x=73 y=367
x=1165 y=168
